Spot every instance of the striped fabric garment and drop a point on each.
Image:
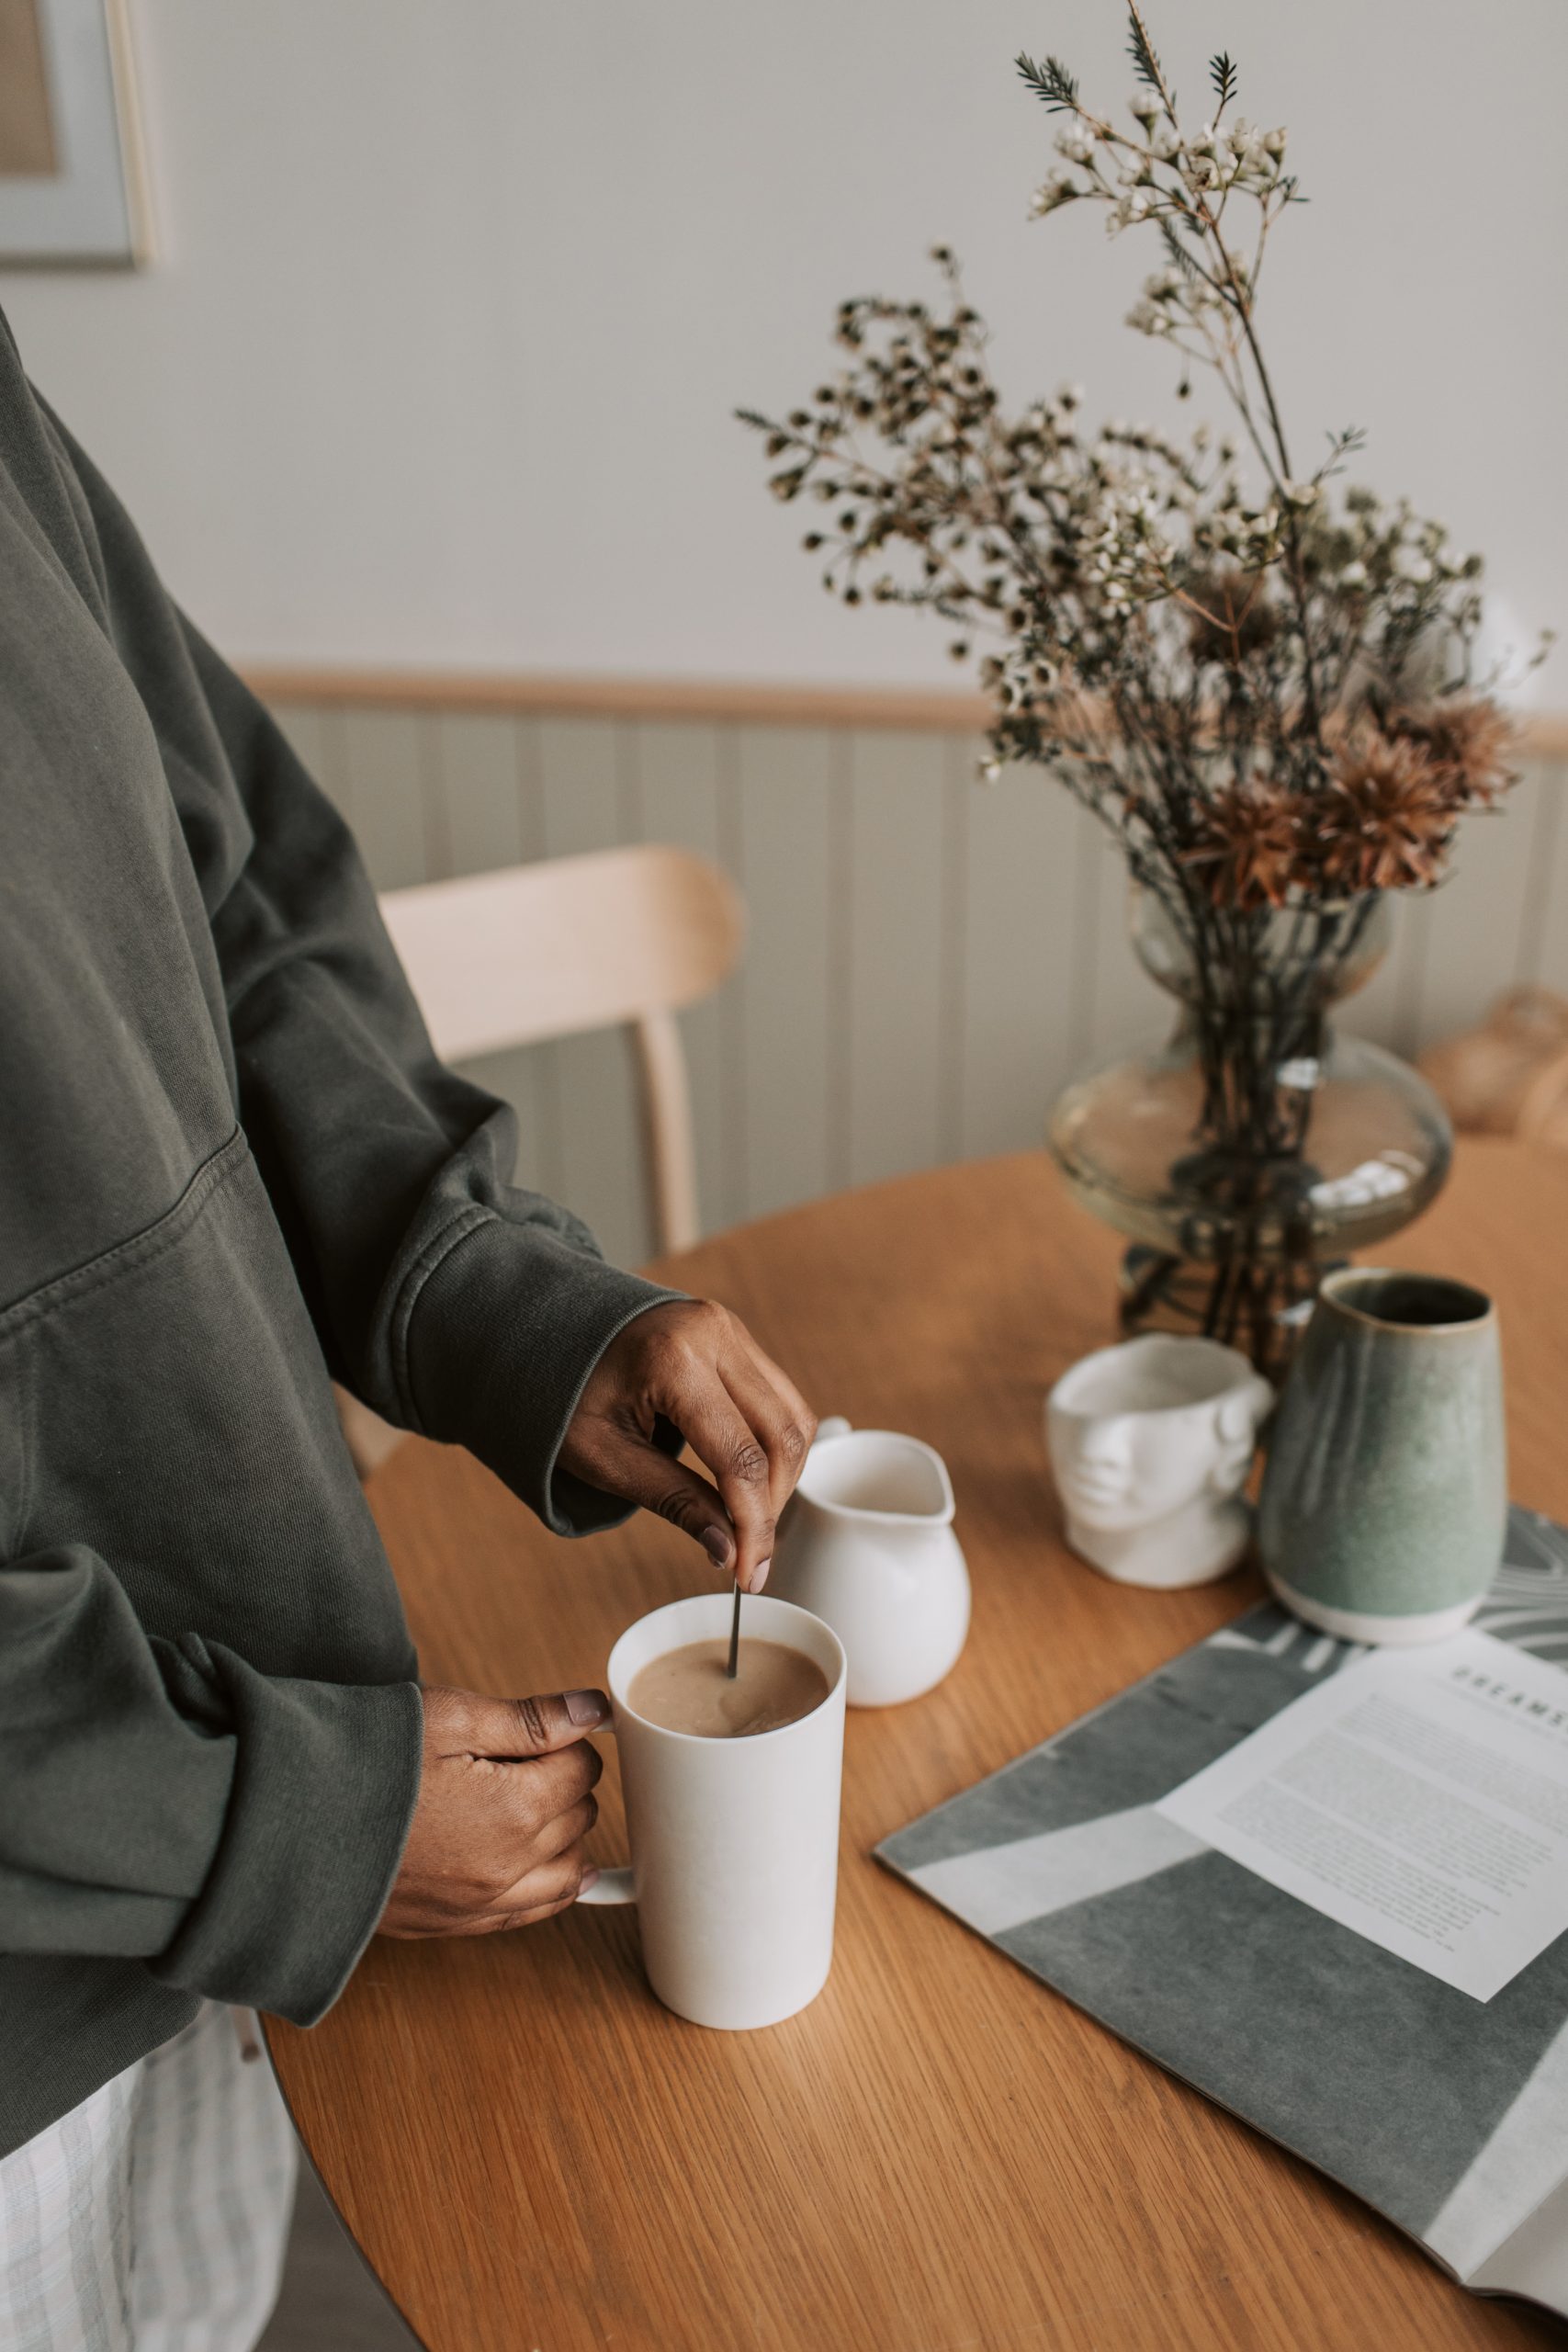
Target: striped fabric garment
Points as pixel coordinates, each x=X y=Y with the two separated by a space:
x=154 y=2217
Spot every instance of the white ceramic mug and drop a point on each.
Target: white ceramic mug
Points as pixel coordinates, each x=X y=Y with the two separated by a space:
x=734 y=1842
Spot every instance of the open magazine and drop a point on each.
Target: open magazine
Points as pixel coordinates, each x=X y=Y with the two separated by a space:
x=1447 y=2113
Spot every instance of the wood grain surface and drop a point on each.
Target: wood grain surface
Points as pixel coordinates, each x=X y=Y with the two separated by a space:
x=939 y=2155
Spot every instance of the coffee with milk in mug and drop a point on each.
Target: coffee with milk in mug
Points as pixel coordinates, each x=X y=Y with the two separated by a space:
x=691 y=1690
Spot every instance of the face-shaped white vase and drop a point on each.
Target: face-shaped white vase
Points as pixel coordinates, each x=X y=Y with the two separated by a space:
x=1151 y=1442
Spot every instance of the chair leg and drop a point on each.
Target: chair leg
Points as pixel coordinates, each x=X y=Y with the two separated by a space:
x=667 y=1127
x=372 y=1441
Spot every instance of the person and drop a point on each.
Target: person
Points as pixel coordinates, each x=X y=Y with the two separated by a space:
x=233 y=1172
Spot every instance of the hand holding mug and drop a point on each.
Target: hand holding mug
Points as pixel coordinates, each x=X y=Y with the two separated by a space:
x=505 y=1801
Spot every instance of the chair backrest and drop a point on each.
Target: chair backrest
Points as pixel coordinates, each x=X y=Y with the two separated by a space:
x=622 y=935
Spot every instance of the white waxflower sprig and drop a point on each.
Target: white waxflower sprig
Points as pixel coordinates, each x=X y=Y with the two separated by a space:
x=1204 y=303
x=1186 y=183
x=1162 y=172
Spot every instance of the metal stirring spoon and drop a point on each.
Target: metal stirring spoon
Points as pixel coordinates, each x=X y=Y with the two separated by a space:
x=733 y=1668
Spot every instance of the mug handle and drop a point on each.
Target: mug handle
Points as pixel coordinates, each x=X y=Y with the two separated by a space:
x=610 y=1886
x=834 y=1426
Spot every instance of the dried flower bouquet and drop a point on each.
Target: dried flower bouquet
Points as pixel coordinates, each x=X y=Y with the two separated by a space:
x=1262 y=679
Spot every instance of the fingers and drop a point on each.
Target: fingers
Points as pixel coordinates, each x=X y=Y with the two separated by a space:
x=468 y=1723
x=642 y=1473
x=533 y=1793
x=766 y=1448
x=781 y=1418
x=567 y=1829
x=717 y=1432
x=777 y=1378
x=505 y=1801
x=692 y=1364
x=547 y=1888
x=735 y=1523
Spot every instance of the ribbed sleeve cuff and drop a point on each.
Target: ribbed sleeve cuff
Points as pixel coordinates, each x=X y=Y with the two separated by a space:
x=325 y=1780
x=494 y=1346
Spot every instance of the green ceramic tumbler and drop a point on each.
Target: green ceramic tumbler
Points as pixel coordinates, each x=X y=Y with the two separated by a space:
x=1385 y=1495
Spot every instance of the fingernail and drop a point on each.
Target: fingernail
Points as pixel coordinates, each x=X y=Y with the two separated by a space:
x=587 y=1707
x=717 y=1546
x=590 y=1878
x=759 y=1574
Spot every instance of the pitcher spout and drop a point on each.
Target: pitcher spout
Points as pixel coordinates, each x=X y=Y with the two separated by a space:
x=878 y=1477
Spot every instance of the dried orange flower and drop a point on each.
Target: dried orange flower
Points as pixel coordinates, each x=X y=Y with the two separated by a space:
x=1468 y=737
x=1247 y=845
x=1388 y=816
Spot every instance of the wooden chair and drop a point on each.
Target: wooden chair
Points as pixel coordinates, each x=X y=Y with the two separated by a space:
x=619 y=937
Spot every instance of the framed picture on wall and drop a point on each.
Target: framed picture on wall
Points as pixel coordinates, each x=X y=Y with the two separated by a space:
x=72 y=187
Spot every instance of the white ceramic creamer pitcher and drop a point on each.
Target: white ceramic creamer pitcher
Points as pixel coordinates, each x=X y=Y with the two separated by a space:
x=866 y=1544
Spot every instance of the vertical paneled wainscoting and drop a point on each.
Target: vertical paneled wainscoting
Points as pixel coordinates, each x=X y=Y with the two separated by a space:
x=929 y=958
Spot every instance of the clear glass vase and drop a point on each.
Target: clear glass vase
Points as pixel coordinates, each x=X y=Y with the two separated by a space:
x=1257 y=1148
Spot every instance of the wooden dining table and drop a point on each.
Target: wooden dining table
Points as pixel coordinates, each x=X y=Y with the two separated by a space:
x=938 y=2154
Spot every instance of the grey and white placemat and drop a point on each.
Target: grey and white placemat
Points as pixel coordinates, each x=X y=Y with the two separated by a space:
x=1448 y=2115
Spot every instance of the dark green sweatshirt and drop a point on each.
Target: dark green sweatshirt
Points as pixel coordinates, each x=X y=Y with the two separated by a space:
x=230 y=1167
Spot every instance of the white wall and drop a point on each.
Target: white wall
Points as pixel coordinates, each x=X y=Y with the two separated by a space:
x=456 y=298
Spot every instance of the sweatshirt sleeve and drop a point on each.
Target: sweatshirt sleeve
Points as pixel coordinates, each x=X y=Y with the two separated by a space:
x=449 y=1300
x=237 y=1832
x=455 y=1303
